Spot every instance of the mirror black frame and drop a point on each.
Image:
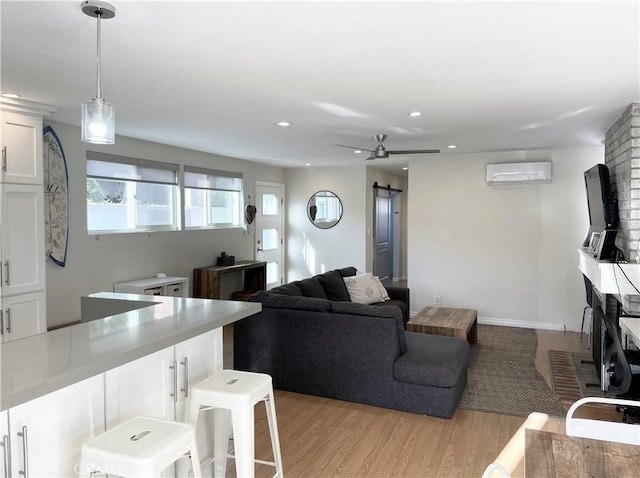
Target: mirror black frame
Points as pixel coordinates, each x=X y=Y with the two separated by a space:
x=312 y=209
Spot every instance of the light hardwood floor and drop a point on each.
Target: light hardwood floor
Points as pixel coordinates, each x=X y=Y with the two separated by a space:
x=321 y=437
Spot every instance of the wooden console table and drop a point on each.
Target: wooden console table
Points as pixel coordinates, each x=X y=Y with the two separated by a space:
x=207 y=280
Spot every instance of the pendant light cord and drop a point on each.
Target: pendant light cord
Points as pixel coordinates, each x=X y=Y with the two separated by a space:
x=99 y=59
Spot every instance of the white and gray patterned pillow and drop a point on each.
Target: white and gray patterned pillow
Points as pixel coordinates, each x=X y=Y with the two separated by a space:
x=365 y=289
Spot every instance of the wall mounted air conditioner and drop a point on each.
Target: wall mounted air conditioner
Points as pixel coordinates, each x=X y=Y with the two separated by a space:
x=519 y=173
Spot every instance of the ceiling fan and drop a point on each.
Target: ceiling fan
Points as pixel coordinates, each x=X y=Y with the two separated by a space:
x=381 y=152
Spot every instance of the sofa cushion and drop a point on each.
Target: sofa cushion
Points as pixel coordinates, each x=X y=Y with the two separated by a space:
x=286 y=289
x=347 y=271
x=365 y=289
x=310 y=287
x=374 y=311
x=281 y=301
x=432 y=360
x=333 y=286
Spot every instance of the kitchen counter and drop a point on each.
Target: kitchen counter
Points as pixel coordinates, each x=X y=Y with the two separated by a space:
x=41 y=364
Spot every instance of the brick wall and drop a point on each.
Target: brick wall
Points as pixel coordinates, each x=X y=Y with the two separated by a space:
x=622 y=157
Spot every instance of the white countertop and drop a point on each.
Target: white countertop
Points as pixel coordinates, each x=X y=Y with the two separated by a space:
x=37 y=365
x=631 y=327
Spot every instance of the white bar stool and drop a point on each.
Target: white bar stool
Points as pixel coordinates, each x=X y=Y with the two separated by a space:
x=140 y=447
x=236 y=393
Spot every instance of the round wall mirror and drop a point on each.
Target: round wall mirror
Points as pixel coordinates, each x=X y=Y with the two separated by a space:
x=324 y=209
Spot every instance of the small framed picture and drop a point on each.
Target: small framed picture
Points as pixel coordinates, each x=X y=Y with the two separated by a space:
x=595 y=243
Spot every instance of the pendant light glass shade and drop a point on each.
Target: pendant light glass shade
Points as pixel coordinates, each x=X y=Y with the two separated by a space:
x=98 y=122
x=98 y=116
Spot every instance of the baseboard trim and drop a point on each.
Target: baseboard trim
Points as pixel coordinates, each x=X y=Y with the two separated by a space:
x=527 y=324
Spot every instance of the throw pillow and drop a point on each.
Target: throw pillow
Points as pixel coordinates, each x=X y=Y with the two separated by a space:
x=333 y=286
x=383 y=290
x=364 y=288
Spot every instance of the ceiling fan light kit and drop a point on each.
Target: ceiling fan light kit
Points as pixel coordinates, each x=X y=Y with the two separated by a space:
x=381 y=152
x=98 y=115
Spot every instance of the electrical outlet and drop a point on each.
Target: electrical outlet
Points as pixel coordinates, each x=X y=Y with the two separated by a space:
x=438 y=300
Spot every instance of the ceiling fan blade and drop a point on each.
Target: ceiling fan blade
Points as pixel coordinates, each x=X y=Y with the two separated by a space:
x=354 y=147
x=415 y=151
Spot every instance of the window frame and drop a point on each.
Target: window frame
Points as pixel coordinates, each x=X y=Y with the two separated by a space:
x=162 y=168
x=213 y=176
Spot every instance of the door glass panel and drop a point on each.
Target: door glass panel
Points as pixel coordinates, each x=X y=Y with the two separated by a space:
x=273 y=273
x=269 y=239
x=269 y=205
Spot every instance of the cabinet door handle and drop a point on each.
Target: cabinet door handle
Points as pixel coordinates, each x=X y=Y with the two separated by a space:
x=174 y=394
x=8 y=313
x=1 y=322
x=185 y=362
x=4 y=159
x=6 y=276
x=7 y=456
x=25 y=452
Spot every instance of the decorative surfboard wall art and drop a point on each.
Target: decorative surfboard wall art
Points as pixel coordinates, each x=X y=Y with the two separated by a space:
x=56 y=202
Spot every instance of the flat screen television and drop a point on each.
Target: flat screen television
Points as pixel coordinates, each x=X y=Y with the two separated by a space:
x=603 y=212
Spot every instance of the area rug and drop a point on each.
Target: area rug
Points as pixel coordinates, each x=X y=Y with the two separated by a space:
x=502 y=376
x=573 y=376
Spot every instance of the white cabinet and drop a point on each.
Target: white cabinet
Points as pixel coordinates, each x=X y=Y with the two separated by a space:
x=142 y=387
x=197 y=359
x=22 y=315
x=158 y=385
x=5 y=449
x=47 y=433
x=171 y=286
x=21 y=148
x=22 y=239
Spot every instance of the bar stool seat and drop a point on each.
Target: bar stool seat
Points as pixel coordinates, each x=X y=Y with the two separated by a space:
x=140 y=447
x=235 y=393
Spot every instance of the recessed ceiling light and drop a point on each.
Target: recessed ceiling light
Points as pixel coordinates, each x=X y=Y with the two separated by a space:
x=10 y=95
x=415 y=114
x=405 y=168
x=357 y=151
x=284 y=123
x=307 y=164
x=452 y=146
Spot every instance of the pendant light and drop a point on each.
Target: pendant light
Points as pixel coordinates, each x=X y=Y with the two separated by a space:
x=98 y=115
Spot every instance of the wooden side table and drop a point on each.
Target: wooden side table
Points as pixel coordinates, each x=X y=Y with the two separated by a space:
x=207 y=280
x=461 y=323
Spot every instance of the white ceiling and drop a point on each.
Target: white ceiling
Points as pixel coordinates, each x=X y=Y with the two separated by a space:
x=218 y=76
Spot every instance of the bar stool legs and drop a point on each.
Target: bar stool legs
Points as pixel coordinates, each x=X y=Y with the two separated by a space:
x=232 y=395
x=273 y=431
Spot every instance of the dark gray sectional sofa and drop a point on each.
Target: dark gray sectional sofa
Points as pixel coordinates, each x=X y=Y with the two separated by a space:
x=311 y=339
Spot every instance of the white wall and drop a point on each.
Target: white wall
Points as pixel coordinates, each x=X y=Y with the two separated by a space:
x=311 y=250
x=96 y=263
x=509 y=252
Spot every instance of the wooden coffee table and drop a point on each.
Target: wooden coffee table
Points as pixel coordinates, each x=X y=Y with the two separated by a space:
x=461 y=323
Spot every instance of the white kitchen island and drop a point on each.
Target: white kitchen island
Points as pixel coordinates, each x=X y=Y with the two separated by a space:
x=61 y=388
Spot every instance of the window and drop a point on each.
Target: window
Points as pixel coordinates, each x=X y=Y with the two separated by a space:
x=212 y=199
x=130 y=194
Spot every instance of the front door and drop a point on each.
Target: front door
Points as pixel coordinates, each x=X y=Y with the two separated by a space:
x=270 y=230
